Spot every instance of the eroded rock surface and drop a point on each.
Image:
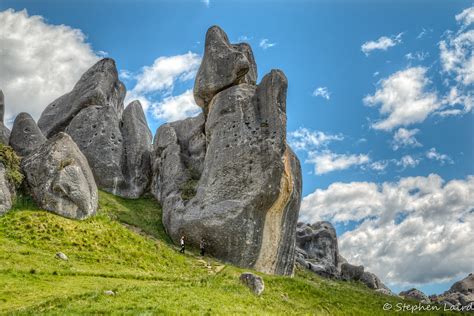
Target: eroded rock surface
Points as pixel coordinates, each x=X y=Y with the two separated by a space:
x=25 y=136
x=60 y=180
x=253 y=282
x=461 y=293
x=228 y=175
x=99 y=86
x=415 y=294
x=4 y=131
x=6 y=191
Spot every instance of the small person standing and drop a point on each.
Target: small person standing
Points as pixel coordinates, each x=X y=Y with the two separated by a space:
x=182 y=244
x=202 y=246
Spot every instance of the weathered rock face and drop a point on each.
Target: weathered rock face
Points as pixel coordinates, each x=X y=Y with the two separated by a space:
x=4 y=131
x=415 y=295
x=223 y=66
x=99 y=86
x=60 y=180
x=229 y=176
x=461 y=293
x=116 y=143
x=466 y=285
x=253 y=282
x=6 y=192
x=25 y=136
x=317 y=247
x=351 y=272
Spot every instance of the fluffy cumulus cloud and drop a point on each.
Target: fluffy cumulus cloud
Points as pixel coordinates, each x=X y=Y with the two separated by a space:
x=322 y=92
x=39 y=61
x=156 y=83
x=414 y=231
x=403 y=98
x=407 y=161
x=383 y=43
x=405 y=138
x=306 y=139
x=326 y=161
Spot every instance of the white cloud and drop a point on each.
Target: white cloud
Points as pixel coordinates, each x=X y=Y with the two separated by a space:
x=322 y=92
x=433 y=154
x=424 y=32
x=174 y=108
x=39 y=61
x=157 y=82
x=403 y=99
x=265 y=43
x=379 y=165
x=420 y=56
x=383 y=43
x=305 y=139
x=457 y=57
x=405 y=138
x=327 y=161
x=375 y=74
x=244 y=38
x=407 y=161
x=466 y=17
x=418 y=222
x=206 y=2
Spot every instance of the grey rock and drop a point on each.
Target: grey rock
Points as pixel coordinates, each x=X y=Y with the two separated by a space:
x=385 y=291
x=62 y=256
x=109 y=293
x=466 y=285
x=6 y=192
x=372 y=281
x=253 y=282
x=99 y=86
x=223 y=66
x=4 y=131
x=137 y=147
x=232 y=179
x=96 y=130
x=60 y=180
x=351 y=272
x=415 y=294
x=25 y=136
x=318 y=244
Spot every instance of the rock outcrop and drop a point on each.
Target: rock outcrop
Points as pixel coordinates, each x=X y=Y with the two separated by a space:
x=99 y=86
x=6 y=191
x=416 y=295
x=59 y=178
x=4 y=131
x=116 y=142
x=253 y=282
x=461 y=293
x=228 y=175
x=25 y=136
x=317 y=250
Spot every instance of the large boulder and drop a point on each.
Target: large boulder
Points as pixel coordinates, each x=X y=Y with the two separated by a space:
x=99 y=86
x=4 y=131
x=223 y=66
x=317 y=246
x=6 y=191
x=461 y=293
x=229 y=176
x=351 y=272
x=416 y=295
x=25 y=136
x=60 y=180
x=96 y=130
x=137 y=147
x=466 y=285
x=253 y=282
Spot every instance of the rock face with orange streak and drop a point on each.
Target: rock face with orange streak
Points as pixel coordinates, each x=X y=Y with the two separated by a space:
x=228 y=176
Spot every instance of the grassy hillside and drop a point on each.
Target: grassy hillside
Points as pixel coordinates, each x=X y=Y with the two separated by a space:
x=125 y=249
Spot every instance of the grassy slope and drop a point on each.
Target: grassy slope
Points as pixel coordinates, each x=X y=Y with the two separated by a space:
x=147 y=273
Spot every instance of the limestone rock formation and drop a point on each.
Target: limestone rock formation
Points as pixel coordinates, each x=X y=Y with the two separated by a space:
x=99 y=86
x=415 y=294
x=461 y=293
x=25 y=136
x=4 y=131
x=59 y=178
x=253 y=282
x=228 y=176
x=116 y=143
x=317 y=248
x=223 y=65
x=351 y=272
x=6 y=191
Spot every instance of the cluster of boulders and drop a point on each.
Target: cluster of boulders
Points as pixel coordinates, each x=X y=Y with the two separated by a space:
x=317 y=250
x=460 y=294
x=226 y=175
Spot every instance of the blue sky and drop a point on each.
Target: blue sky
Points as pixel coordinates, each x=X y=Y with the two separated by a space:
x=344 y=60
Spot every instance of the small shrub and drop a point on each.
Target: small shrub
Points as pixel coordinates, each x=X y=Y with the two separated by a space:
x=11 y=161
x=188 y=188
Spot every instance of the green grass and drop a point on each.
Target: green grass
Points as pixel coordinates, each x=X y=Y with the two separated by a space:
x=125 y=249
